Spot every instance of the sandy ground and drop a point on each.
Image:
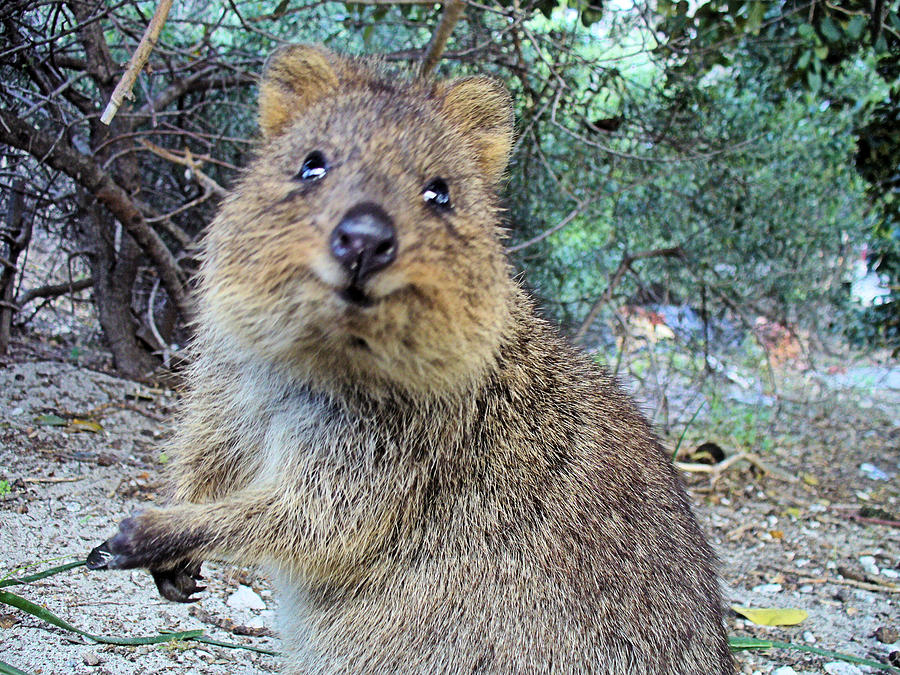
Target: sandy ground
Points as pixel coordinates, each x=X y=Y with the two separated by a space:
x=786 y=538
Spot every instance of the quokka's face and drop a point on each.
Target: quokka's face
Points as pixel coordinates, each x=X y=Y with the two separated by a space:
x=363 y=243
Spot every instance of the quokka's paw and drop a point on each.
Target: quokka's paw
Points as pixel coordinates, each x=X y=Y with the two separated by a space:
x=132 y=546
x=179 y=583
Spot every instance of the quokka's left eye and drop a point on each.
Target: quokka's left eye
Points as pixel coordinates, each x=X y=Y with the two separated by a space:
x=314 y=167
x=437 y=194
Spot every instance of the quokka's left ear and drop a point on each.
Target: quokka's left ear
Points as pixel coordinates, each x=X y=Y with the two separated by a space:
x=481 y=108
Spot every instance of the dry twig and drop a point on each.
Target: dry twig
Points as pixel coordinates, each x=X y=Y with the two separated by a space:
x=137 y=62
x=716 y=470
x=627 y=261
x=188 y=160
x=452 y=12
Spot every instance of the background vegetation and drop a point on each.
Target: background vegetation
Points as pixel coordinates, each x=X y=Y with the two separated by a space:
x=732 y=158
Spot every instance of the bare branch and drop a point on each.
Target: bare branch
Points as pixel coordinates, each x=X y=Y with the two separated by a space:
x=202 y=80
x=452 y=12
x=16 y=242
x=573 y=213
x=615 y=280
x=546 y=233
x=86 y=172
x=137 y=62
x=189 y=161
x=54 y=290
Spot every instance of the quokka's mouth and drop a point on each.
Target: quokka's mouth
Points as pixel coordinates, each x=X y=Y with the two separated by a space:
x=355 y=295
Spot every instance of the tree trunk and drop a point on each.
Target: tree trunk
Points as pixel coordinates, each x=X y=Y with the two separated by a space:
x=114 y=270
x=115 y=256
x=14 y=240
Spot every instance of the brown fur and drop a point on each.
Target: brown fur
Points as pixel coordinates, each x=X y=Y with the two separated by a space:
x=441 y=483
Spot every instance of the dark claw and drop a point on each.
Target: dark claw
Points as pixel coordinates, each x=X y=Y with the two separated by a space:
x=99 y=558
x=179 y=584
x=124 y=550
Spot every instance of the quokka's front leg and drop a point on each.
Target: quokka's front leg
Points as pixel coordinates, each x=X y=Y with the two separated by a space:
x=171 y=541
x=164 y=537
x=318 y=532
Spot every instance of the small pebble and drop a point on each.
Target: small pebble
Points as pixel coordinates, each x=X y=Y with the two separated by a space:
x=868 y=564
x=784 y=670
x=245 y=598
x=767 y=589
x=889 y=573
x=872 y=472
x=842 y=668
x=90 y=659
x=809 y=638
x=887 y=635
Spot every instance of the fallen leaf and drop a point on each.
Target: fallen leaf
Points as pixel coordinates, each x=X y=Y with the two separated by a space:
x=51 y=420
x=809 y=479
x=8 y=620
x=772 y=616
x=85 y=425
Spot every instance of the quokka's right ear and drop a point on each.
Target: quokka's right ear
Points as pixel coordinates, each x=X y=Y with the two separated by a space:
x=295 y=77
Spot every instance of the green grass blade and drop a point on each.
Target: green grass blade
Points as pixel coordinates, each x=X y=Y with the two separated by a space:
x=44 y=614
x=6 y=669
x=745 y=643
x=685 y=430
x=234 y=645
x=15 y=581
x=740 y=644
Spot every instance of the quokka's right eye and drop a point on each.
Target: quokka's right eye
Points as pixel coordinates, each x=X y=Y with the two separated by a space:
x=314 y=168
x=437 y=194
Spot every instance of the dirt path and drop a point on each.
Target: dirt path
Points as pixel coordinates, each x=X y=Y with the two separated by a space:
x=785 y=540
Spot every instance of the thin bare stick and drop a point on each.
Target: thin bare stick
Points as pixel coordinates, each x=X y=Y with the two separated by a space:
x=55 y=290
x=19 y=229
x=188 y=160
x=151 y=320
x=137 y=62
x=452 y=11
x=717 y=470
x=546 y=233
x=624 y=266
x=574 y=212
x=878 y=588
x=54 y=479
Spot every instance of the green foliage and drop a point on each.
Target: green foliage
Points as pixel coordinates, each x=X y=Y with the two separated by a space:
x=815 y=47
x=755 y=185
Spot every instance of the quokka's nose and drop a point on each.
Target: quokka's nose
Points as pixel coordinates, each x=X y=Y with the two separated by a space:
x=365 y=240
